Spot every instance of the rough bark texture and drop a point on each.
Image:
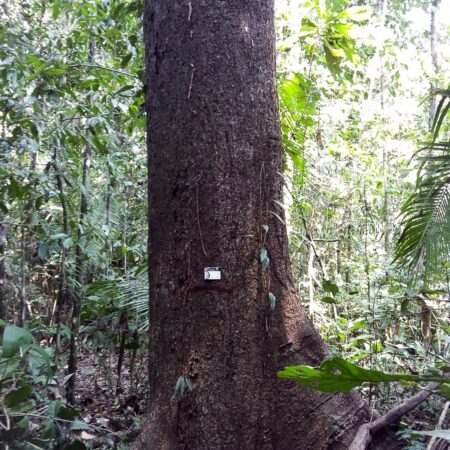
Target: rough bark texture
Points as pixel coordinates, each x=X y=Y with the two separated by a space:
x=215 y=164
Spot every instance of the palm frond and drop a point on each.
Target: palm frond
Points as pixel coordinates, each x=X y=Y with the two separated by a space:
x=297 y=100
x=130 y=293
x=424 y=241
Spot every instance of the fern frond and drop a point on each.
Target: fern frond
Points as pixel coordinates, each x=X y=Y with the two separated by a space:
x=130 y=293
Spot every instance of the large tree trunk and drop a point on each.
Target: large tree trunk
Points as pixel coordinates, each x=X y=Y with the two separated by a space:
x=215 y=164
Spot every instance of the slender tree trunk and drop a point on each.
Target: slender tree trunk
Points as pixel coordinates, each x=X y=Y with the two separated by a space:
x=434 y=58
x=3 y=239
x=311 y=282
x=385 y=153
x=79 y=275
x=63 y=292
x=23 y=291
x=78 y=296
x=214 y=168
x=348 y=241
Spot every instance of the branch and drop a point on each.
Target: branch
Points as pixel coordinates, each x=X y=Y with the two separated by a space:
x=311 y=242
x=366 y=431
x=95 y=66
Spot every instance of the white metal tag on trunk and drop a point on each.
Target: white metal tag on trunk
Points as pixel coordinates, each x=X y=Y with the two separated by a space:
x=212 y=273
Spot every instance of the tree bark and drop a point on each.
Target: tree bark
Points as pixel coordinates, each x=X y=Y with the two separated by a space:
x=215 y=163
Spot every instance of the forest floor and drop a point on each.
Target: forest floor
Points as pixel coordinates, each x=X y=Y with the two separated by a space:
x=112 y=413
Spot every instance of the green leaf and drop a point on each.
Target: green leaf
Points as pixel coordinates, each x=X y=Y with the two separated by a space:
x=356 y=13
x=307 y=30
x=264 y=258
x=53 y=408
x=347 y=29
x=75 y=445
x=329 y=286
x=126 y=60
x=56 y=10
x=424 y=241
x=442 y=434
x=14 y=397
x=49 y=429
x=338 y=375
x=55 y=71
x=24 y=406
x=43 y=250
x=183 y=382
x=329 y=300
x=333 y=63
x=357 y=325
x=67 y=413
x=67 y=242
x=272 y=301
x=126 y=88
x=79 y=425
x=444 y=390
x=14 y=340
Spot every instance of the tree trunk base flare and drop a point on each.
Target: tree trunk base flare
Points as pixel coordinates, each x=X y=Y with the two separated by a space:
x=215 y=187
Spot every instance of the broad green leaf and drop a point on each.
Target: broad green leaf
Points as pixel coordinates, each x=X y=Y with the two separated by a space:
x=75 y=445
x=359 y=324
x=333 y=63
x=53 y=408
x=272 y=301
x=329 y=286
x=329 y=300
x=264 y=258
x=14 y=397
x=79 y=425
x=49 y=429
x=56 y=10
x=338 y=375
x=334 y=51
x=183 y=382
x=24 y=406
x=126 y=60
x=55 y=71
x=43 y=250
x=444 y=390
x=307 y=30
x=356 y=13
x=125 y=88
x=67 y=413
x=346 y=29
x=67 y=242
x=14 y=339
x=442 y=434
